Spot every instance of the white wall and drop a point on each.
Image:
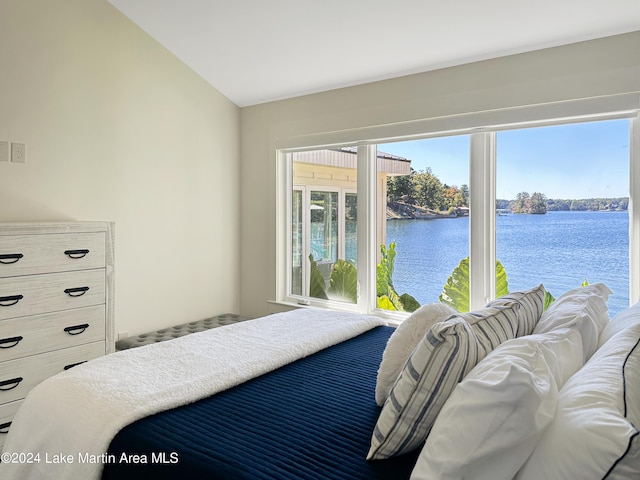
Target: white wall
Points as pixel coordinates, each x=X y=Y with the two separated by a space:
x=584 y=70
x=116 y=128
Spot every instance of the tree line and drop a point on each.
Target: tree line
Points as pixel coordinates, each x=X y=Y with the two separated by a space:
x=424 y=189
x=620 y=203
x=539 y=203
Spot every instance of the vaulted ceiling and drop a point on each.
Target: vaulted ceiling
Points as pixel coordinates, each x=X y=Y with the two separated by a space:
x=255 y=51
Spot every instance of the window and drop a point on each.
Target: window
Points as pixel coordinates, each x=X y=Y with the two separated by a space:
x=427 y=219
x=384 y=226
x=324 y=224
x=562 y=199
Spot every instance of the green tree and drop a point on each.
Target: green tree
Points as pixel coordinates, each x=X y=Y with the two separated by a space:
x=453 y=197
x=428 y=190
x=522 y=203
x=448 y=196
x=400 y=186
x=538 y=203
x=464 y=191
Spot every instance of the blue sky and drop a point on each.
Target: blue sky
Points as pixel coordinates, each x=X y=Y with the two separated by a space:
x=583 y=160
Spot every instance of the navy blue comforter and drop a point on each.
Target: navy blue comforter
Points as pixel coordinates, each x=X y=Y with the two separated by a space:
x=308 y=420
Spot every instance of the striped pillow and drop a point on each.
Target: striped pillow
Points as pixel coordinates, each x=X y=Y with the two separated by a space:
x=439 y=362
x=531 y=307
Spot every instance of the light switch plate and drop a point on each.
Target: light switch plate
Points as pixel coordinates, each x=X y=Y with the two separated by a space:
x=4 y=151
x=18 y=153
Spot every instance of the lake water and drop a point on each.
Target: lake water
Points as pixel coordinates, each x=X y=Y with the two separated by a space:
x=559 y=249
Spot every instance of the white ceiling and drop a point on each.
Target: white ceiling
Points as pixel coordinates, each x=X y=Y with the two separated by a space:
x=255 y=51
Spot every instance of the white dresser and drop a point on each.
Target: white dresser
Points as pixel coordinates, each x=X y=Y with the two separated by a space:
x=56 y=303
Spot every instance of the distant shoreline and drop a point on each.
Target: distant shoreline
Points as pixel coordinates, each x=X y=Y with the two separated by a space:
x=576 y=205
x=400 y=210
x=502 y=214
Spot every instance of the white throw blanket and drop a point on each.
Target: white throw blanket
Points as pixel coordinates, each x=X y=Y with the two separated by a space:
x=75 y=415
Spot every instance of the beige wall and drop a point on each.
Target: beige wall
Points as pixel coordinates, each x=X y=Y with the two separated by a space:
x=118 y=129
x=589 y=69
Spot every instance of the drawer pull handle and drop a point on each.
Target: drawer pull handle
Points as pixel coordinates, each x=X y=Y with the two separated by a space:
x=13 y=299
x=76 y=292
x=75 y=254
x=13 y=340
x=9 y=258
x=4 y=428
x=72 y=330
x=14 y=382
x=67 y=367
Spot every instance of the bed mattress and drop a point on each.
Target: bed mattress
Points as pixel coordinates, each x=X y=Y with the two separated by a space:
x=311 y=419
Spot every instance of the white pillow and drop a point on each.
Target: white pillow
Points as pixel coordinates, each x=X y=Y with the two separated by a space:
x=442 y=358
x=402 y=342
x=493 y=419
x=586 y=307
x=594 y=433
x=623 y=320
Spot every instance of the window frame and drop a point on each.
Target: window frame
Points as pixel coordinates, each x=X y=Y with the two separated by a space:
x=306 y=191
x=482 y=128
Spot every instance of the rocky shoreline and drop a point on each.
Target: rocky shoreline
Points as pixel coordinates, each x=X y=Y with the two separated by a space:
x=401 y=210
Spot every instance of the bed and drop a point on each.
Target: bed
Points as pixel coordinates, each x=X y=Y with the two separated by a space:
x=259 y=435
x=313 y=394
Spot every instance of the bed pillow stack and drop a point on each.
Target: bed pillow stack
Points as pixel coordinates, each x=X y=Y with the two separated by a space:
x=441 y=359
x=496 y=416
x=594 y=433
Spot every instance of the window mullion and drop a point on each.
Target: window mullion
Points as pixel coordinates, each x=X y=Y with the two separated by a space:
x=366 y=227
x=342 y=231
x=482 y=214
x=634 y=211
x=306 y=242
x=283 y=220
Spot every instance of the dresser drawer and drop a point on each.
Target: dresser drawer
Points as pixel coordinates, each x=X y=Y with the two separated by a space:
x=20 y=337
x=19 y=376
x=7 y=411
x=50 y=253
x=21 y=296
